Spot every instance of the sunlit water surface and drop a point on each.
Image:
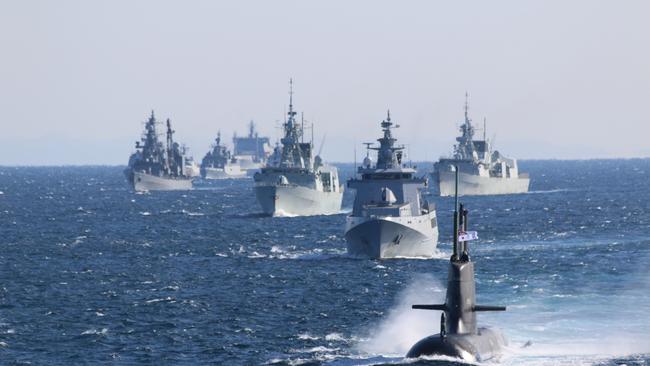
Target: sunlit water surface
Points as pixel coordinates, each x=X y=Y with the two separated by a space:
x=93 y=273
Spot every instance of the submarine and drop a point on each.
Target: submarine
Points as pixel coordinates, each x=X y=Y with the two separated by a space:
x=460 y=336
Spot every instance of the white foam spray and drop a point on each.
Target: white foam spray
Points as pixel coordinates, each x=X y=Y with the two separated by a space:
x=403 y=326
x=585 y=330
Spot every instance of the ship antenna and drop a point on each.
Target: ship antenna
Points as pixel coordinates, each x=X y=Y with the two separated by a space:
x=354 y=143
x=322 y=143
x=291 y=113
x=368 y=144
x=290 y=95
x=302 y=127
x=257 y=146
x=455 y=255
x=485 y=129
x=408 y=155
x=466 y=107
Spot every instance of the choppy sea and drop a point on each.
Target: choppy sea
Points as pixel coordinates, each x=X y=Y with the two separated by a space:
x=93 y=273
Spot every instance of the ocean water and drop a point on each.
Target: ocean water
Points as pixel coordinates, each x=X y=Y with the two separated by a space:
x=93 y=273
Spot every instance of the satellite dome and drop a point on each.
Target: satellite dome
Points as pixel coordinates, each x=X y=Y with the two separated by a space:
x=387 y=196
x=367 y=162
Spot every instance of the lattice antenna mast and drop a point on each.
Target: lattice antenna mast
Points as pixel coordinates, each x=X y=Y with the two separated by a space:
x=466 y=107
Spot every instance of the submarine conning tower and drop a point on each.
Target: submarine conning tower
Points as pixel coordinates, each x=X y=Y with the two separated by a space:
x=459 y=309
x=459 y=334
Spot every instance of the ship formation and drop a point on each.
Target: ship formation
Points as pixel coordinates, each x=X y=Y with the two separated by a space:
x=218 y=163
x=389 y=217
x=482 y=171
x=296 y=182
x=156 y=165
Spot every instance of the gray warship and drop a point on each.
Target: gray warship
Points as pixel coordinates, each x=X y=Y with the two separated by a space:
x=295 y=182
x=252 y=151
x=218 y=163
x=157 y=166
x=482 y=171
x=459 y=334
x=389 y=218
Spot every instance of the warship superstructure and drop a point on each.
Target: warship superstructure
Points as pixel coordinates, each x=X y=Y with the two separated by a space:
x=218 y=163
x=482 y=171
x=390 y=218
x=156 y=165
x=251 y=151
x=192 y=169
x=297 y=182
x=460 y=336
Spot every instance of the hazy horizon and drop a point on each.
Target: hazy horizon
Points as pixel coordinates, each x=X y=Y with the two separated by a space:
x=555 y=80
x=359 y=160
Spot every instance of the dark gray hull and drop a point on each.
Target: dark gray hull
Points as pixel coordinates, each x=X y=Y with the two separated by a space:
x=392 y=237
x=481 y=347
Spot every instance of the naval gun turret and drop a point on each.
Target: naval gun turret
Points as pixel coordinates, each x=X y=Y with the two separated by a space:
x=459 y=334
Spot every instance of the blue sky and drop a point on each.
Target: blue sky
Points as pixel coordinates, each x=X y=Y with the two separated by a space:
x=555 y=79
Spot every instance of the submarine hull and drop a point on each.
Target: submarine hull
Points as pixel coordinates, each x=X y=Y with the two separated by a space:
x=483 y=346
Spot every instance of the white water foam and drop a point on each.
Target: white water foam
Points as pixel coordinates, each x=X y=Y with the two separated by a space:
x=549 y=191
x=579 y=332
x=95 y=331
x=282 y=213
x=594 y=343
x=190 y=213
x=336 y=337
x=277 y=252
x=437 y=254
x=318 y=349
x=307 y=336
x=403 y=326
x=256 y=255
